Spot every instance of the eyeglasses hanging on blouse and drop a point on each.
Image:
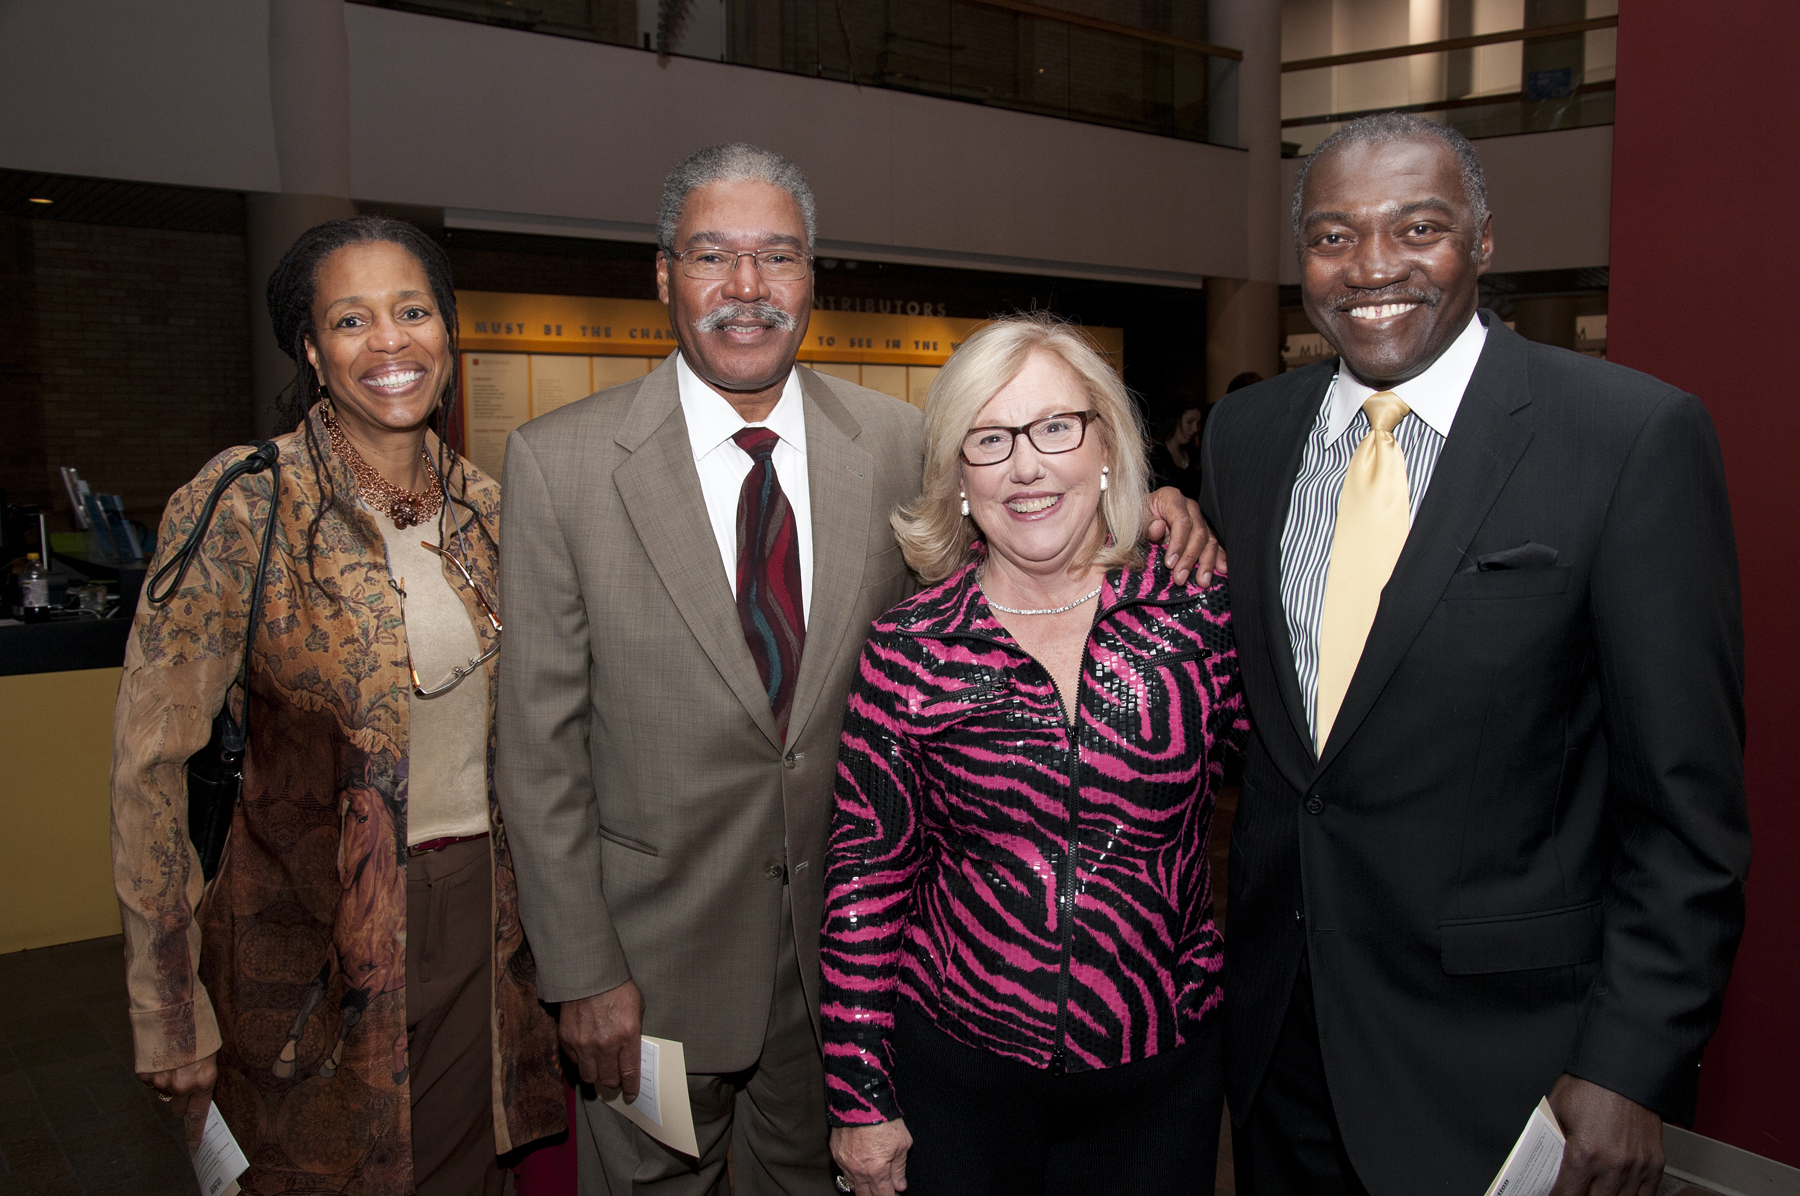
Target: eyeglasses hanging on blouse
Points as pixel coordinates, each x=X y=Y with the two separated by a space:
x=487 y=608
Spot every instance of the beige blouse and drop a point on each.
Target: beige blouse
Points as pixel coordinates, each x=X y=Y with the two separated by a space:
x=447 y=758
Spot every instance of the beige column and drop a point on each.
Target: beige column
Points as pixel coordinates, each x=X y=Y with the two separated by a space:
x=309 y=83
x=1548 y=321
x=1243 y=314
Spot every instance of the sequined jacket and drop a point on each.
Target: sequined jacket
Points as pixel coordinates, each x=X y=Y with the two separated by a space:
x=291 y=964
x=1035 y=888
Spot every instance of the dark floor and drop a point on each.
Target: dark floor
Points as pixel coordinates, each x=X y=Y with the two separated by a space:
x=73 y=1118
x=74 y=1121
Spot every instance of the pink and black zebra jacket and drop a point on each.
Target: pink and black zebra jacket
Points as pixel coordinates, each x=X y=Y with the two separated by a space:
x=1035 y=888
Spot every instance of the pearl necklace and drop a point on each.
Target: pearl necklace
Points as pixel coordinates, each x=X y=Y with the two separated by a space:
x=1055 y=610
x=405 y=507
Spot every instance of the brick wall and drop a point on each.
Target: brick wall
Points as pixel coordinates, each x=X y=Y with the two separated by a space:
x=140 y=365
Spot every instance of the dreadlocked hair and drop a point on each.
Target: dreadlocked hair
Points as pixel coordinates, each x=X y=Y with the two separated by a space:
x=293 y=290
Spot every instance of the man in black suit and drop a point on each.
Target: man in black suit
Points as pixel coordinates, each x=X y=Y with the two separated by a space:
x=1492 y=837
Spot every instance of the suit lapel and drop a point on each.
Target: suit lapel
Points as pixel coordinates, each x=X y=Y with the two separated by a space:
x=1485 y=444
x=1288 y=446
x=661 y=491
x=841 y=476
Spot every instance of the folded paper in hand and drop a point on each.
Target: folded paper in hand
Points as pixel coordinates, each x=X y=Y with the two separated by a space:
x=661 y=1108
x=1531 y=1168
x=218 y=1160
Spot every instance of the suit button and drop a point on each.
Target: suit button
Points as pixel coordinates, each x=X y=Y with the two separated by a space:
x=775 y=871
x=1315 y=804
x=792 y=759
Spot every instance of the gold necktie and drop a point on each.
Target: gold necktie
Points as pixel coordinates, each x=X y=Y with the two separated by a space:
x=1373 y=516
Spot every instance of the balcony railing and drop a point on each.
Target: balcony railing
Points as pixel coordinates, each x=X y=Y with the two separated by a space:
x=1485 y=84
x=1002 y=53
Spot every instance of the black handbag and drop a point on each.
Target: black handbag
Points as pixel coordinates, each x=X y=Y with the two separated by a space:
x=215 y=773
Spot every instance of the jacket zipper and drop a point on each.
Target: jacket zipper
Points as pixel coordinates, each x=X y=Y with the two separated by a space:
x=1065 y=897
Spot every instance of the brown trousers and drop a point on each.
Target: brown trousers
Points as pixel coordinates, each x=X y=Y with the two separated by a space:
x=769 y=1119
x=449 y=1014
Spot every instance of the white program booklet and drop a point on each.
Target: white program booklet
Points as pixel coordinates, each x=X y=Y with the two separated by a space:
x=1531 y=1168
x=218 y=1160
x=661 y=1108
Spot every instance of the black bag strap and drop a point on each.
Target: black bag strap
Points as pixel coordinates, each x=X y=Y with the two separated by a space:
x=264 y=456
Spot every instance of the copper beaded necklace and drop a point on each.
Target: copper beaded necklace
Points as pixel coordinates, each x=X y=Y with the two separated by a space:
x=405 y=507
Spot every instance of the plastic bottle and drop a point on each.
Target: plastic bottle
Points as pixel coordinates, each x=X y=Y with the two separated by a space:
x=34 y=591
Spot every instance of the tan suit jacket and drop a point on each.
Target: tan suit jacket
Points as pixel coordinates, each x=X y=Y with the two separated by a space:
x=652 y=808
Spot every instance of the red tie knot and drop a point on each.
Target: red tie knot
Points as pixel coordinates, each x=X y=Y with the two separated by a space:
x=758 y=442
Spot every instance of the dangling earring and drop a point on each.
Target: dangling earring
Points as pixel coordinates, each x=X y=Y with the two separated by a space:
x=1103 y=473
x=965 y=502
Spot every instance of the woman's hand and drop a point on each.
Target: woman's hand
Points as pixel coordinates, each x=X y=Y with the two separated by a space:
x=873 y=1157
x=188 y=1089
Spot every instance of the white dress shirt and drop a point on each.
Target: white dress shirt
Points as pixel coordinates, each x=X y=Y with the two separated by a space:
x=1433 y=396
x=723 y=466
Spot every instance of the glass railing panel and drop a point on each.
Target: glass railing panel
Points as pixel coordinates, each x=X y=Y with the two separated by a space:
x=1020 y=56
x=1522 y=85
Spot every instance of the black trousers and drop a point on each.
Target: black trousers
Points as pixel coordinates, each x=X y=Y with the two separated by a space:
x=986 y=1126
x=1290 y=1144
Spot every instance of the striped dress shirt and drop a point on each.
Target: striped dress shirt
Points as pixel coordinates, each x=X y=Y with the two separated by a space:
x=1312 y=515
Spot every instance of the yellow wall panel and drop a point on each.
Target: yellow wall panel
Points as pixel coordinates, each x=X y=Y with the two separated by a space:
x=56 y=853
x=918 y=383
x=888 y=379
x=848 y=371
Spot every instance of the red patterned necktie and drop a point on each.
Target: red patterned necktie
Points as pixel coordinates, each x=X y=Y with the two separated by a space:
x=768 y=574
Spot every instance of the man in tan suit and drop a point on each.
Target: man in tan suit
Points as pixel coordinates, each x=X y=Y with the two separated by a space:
x=690 y=565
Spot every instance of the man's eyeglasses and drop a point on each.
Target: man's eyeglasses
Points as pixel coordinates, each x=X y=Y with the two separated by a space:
x=457 y=674
x=776 y=265
x=1051 y=435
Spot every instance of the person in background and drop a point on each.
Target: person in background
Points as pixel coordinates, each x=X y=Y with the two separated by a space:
x=692 y=562
x=1175 y=458
x=1239 y=381
x=353 y=987
x=1491 y=842
x=1021 y=967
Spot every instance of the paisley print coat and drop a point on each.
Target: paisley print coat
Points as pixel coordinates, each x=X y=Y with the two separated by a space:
x=291 y=964
x=1035 y=888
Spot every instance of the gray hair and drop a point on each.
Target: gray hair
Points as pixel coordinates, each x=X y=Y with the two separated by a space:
x=737 y=162
x=1384 y=127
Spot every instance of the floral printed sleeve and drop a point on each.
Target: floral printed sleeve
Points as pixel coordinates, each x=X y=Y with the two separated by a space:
x=179 y=662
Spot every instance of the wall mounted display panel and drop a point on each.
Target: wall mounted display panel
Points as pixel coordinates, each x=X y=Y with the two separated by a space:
x=611 y=371
x=838 y=369
x=918 y=383
x=506 y=323
x=496 y=399
x=526 y=355
x=888 y=379
x=558 y=379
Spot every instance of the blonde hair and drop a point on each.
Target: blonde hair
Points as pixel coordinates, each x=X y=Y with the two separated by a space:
x=933 y=532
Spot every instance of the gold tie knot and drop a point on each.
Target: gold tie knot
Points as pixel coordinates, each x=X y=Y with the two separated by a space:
x=1385 y=410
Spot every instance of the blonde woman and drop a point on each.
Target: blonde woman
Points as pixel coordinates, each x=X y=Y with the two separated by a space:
x=1019 y=956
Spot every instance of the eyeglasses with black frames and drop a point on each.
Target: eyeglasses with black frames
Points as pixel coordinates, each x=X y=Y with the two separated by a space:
x=1050 y=435
x=778 y=264
x=487 y=608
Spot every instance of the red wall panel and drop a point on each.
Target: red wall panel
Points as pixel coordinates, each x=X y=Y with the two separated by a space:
x=1705 y=275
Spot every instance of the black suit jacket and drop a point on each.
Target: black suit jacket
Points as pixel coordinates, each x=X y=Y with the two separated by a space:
x=1523 y=850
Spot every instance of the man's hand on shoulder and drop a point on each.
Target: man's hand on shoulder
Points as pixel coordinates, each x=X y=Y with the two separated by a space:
x=1614 y=1144
x=602 y=1033
x=1176 y=523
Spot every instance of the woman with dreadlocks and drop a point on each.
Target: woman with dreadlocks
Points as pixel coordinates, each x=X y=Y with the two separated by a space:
x=352 y=987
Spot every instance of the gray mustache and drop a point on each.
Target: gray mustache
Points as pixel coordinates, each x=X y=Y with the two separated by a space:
x=762 y=310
